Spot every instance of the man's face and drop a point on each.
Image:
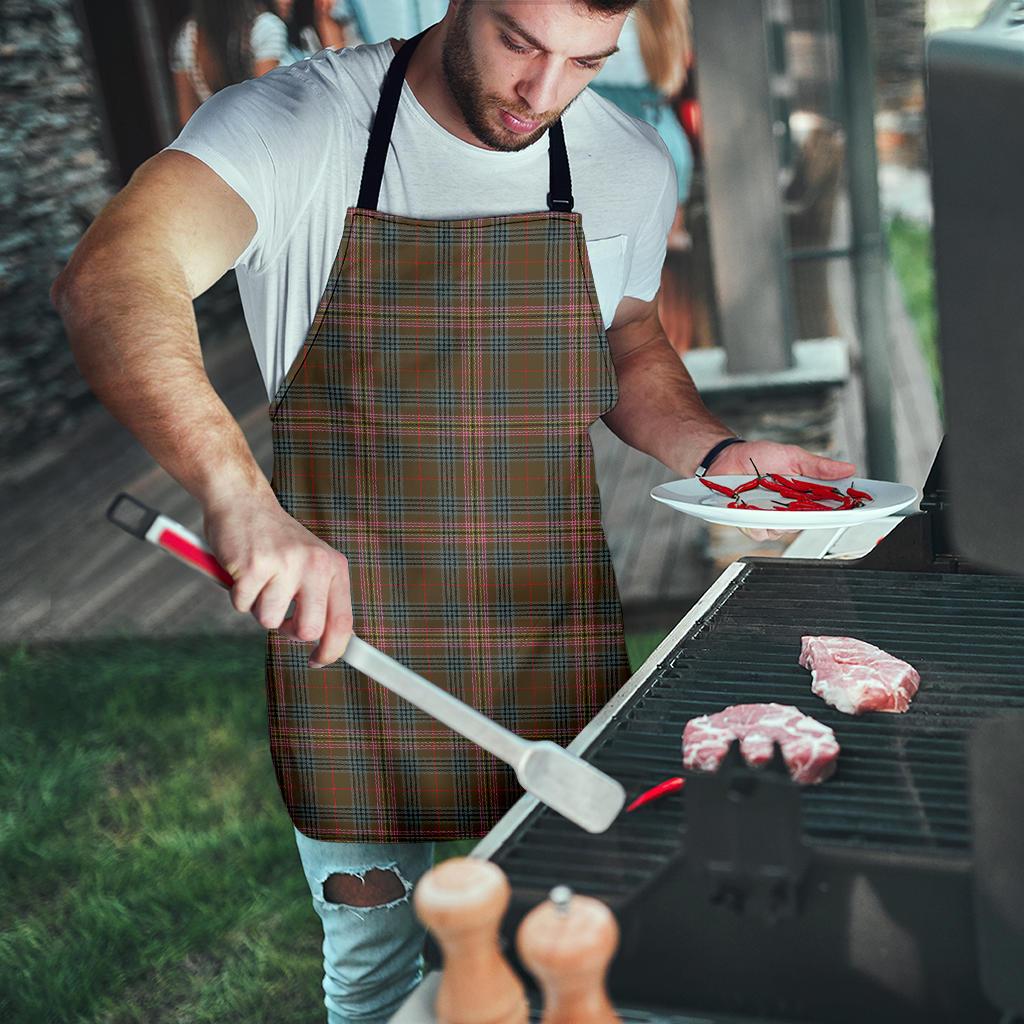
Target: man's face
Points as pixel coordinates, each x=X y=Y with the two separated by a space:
x=513 y=66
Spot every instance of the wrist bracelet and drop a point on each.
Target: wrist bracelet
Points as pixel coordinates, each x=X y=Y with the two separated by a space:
x=705 y=463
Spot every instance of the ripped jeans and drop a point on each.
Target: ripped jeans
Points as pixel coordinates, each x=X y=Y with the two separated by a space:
x=373 y=955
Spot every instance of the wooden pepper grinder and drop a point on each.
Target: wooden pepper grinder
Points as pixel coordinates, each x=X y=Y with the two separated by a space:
x=567 y=943
x=462 y=901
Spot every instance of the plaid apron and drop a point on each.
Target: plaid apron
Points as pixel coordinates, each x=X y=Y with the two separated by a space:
x=434 y=429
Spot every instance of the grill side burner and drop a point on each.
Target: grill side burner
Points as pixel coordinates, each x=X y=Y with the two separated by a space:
x=882 y=922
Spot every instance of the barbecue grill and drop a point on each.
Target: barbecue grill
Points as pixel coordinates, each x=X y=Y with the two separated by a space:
x=746 y=896
x=895 y=890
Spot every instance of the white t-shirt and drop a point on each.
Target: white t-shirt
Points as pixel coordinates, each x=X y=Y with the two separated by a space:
x=292 y=144
x=268 y=40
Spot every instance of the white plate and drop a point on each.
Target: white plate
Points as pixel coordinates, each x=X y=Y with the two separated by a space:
x=693 y=498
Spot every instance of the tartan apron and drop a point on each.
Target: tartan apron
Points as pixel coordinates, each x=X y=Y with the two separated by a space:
x=434 y=429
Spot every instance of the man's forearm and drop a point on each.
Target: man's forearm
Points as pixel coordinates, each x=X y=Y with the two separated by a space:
x=134 y=337
x=659 y=410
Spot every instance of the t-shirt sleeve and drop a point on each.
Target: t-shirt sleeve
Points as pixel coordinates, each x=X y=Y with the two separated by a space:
x=652 y=238
x=269 y=139
x=269 y=37
x=180 y=56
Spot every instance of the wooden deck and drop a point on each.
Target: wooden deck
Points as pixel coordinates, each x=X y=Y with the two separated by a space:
x=69 y=573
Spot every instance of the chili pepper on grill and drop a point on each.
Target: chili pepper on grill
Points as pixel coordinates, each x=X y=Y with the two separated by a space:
x=660 y=790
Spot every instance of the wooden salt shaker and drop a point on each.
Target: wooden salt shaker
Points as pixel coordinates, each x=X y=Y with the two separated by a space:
x=567 y=943
x=462 y=901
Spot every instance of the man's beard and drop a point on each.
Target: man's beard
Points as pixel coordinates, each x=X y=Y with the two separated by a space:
x=464 y=83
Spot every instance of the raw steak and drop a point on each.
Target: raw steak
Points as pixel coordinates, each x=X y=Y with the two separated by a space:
x=855 y=677
x=808 y=747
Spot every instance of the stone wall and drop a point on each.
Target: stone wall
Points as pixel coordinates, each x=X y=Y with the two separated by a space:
x=53 y=180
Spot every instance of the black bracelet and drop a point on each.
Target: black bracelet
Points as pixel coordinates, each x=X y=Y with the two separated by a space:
x=705 y=463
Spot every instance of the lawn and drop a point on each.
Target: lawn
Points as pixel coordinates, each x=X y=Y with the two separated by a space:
x=149 y=867
x=910 y=248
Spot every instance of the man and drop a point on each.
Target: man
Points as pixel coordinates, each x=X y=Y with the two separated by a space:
x=440 y=309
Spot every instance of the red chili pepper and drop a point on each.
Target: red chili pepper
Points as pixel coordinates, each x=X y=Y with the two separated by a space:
x=717 y=487
x=809 y=487
x=668 y=786
x=807 y=505
x=862 y=495
x=750 y=485
x=786 y=492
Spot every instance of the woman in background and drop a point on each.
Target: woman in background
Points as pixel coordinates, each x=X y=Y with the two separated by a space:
x=648 y=73
x=221 y=43
x=313 y=25
x=644 y=78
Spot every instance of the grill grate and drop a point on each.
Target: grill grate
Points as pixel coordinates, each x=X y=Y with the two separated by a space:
x=901 y=784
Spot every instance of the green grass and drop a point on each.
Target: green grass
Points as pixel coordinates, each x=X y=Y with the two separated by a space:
x=910 y=248
x=149 y=871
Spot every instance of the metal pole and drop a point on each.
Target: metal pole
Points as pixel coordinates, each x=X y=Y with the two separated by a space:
x=742 y=174
x=857 y=69
x=154 y=63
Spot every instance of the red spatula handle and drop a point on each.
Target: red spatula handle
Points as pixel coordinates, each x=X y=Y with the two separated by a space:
x=147 y=524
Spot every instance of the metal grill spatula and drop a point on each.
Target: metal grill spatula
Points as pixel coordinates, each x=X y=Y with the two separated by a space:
x=563 y=781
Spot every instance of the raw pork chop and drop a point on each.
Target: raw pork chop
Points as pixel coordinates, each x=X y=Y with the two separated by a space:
x=855 y=677
x=808 y=747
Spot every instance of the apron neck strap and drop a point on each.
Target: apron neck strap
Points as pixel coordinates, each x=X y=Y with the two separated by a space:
x=559 y=196
x=383 y=122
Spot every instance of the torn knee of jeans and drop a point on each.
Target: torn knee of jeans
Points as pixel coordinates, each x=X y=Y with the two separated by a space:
x=362 y=890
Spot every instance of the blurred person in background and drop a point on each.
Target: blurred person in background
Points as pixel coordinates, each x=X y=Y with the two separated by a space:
x=314 y=25
x=373 y=21
x=645 y=79
x=647 y=75
x=223 y=42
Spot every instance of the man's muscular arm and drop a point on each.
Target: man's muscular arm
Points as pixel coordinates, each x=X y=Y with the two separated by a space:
x=660 y=412
x=126 y=301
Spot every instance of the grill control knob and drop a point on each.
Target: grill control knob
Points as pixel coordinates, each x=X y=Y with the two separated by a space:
x=462 y=901
x=567 y=942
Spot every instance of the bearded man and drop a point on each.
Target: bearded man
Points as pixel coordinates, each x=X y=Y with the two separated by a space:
x=449 y=253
